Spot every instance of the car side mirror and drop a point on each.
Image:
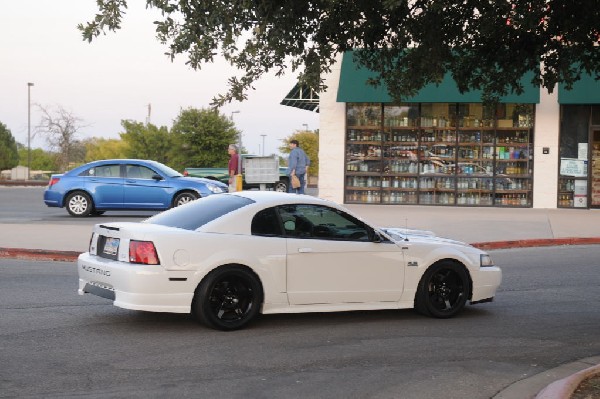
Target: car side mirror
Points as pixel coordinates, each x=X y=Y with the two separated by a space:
x=157 y=177
x=376 y=237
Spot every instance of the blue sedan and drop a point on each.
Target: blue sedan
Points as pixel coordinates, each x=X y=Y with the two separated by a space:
x=125 y=184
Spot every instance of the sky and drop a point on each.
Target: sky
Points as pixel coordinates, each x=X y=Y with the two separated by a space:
x=122 y=75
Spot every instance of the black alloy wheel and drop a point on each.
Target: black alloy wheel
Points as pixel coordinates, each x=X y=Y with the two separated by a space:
x=79 y=204
x=228 y=298
x=443 y=290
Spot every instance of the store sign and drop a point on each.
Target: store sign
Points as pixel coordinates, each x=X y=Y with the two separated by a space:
x=573 y=167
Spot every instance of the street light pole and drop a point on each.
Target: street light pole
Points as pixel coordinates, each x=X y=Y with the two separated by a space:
x=29 y=84
x=263 y=146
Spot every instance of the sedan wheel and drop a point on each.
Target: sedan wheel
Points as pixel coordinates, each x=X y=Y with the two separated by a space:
x=443 y=290
x=228 y=298
x=281 y=186
x=79 y=204
x=184 y=198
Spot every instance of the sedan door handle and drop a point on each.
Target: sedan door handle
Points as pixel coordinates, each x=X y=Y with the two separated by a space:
x=304 y=250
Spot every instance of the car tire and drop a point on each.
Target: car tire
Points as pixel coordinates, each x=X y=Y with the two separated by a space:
x=184 y=198
x=282 y=186
x=228 y=298
x=443 y=290
x=79 y=204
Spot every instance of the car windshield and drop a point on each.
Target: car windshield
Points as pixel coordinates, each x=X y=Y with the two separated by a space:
x=166 y=170
x=197 y=213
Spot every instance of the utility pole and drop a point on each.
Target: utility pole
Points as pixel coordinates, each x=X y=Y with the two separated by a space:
x=29 y=84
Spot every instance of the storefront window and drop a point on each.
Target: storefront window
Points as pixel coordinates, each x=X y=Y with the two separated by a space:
x=439 y=153
x=574 y=138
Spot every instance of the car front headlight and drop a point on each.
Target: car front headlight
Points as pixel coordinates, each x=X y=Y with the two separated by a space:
x=486 y=260
x=215 y=189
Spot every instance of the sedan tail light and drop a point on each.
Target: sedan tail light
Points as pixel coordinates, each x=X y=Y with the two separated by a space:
x=53 y=181
x=143 y=252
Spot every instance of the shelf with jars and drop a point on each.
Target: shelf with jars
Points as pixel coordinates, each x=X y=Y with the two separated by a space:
x=568 y=190
x=461 y=157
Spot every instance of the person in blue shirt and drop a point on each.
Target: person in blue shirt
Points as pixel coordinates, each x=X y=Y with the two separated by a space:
x=298 y=163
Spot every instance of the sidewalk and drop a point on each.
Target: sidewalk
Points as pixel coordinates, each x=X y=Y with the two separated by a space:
x=488 y=228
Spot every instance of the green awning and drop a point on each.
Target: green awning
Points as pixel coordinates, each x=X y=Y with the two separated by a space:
x=584 y=91
x=302 y=97
x=353 y=88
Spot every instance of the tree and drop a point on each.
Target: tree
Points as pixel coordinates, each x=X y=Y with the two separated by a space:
x=60 y=128
x=309 y=142
x=484 y=44
x=201 y=137
x=100 y=148
x=146 y=141
x=9 y=156
x=40 y=159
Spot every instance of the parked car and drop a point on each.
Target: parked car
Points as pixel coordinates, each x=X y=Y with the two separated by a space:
x=125 y=184
x=228 y=258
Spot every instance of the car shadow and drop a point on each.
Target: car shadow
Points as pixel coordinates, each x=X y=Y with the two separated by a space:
x=282 y=323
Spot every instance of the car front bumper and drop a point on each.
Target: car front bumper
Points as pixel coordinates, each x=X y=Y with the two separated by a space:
x=485 y=283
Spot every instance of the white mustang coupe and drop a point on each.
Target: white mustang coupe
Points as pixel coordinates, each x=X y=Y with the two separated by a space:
x=225 y=258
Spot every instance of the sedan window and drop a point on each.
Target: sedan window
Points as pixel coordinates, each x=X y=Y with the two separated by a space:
x=103 y=171
x=139 y=172
x=321 y=222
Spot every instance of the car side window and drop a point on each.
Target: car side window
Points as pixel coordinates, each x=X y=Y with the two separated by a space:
x=322 y=222
x=104 y=171
x=139 y=172
x=266 y=223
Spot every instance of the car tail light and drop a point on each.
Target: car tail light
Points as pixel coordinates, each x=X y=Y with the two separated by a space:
x=143 y=252
x=53 y=181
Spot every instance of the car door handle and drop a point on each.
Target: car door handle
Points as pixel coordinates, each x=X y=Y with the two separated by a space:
x=304 y=250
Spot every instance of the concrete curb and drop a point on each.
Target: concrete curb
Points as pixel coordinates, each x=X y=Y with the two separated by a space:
x=39 y=254
x=537 y=242
x=566 y=387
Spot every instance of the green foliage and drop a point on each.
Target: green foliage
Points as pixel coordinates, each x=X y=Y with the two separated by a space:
x=200 y=138
x=309 y=142
x=99 y=148
x=40 y=159
x=146 y=141
x=9 y=156
x=485 y=45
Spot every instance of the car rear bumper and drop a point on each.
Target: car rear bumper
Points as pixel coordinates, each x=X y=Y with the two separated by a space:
x=53 y=198
x=137 y=287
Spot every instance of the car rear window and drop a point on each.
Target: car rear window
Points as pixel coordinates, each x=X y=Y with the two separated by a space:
x=197 y=213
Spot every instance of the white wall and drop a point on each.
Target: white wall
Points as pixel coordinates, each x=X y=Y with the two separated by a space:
x=332 y=127
x=545 y=166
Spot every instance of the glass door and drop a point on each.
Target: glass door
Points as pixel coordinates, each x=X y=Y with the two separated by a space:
x=595 y=178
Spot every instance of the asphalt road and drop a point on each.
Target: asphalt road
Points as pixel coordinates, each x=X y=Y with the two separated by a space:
x=56 y=344
x=26 y=205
